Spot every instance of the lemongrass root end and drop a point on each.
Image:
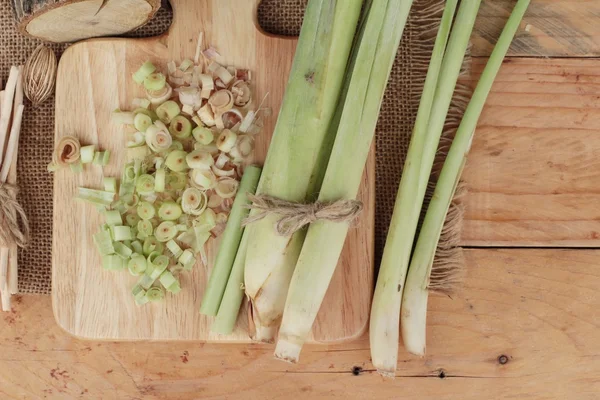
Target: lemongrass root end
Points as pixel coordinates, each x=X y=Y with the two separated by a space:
x=287 y=351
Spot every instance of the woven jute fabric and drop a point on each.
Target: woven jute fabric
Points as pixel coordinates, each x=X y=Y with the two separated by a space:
x=283 y=17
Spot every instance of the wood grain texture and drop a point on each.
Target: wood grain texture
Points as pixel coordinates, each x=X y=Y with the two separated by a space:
x=554 y=28
x=93 y=79
x=71 y=20
x=534 y=168
x=538 y=308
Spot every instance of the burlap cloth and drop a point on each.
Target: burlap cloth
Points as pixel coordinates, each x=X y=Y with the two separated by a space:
x=276 y=16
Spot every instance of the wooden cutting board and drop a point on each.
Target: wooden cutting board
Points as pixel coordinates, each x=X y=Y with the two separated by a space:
x=94 y=78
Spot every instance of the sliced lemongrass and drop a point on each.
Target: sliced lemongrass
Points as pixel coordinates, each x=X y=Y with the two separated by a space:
x=136 y=139
x=180 y=127
x=203 y=179
x=221 y=101
x=142 y=122
x=155 y=294
x=146 y=111
x=160 y=178
x=203 y=135
x=99 y=197
x=138 y=152
x=151 y=245
x=165 y=231
x=113 y=217
x=167 y=111
x=130 y=200
x=227 y=187
x=110 y=184
x=247 y=122
x=136 y=245
x=174 y=248
x=120 y=233
x=112 y=262
x=193 y=201
x=211 y=148
x=232 y=118
x=223 y=172
x=219 y=124
x=86 y=153
x=176 y=161
x=206 y=221
x=104 y=243
x=155 y=81
x=222 y=160
x=186 y=258
x=176 y=146
x=214 y=201
x=160 y=96
x=122 y=251
x=185 y=64
x=245 y=145
x=132 y=220
x=224 y=75
x=145 y=229
x=226 y=140
x=158 y=140
x=169 y=211
x=146 y=69
x=207 y=116
x=144 y=184
x=243 y=93
x=171 y=67
x=229 y=244
x=122 y=117
x=145 y=210
x=199 y=159
x=167 y=279
x=159 y=265
x=137 y=264
x=188 y=110
x=189 y=96
x=176 y=181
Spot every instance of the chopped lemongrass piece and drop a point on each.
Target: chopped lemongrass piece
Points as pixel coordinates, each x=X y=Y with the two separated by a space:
x=86 y=153
x=229 y=244
x=207 y=116
x=167 y=111
x=150 y=245
x=185 y=64
x=203 y=179
x=122 y=251
x=144 y=184
x=193 y=201
x=171 y=67
x=98 y=197
x=137 y=139
x=169 y=211
x=136 y=245
x=222 y=159
x=227 y=187
x=160 y=180
x=110 y=184
x=187 y=109
x=176 y=161
x=145 y=229
x=418 y=281
x=159 y=263
x=167 y=279
x=186 y=258
x=122 y=118
x=180 y=127
x=203 y=135
x=176 y=181
x=174 y=248
x=120 y=233
x=145 y=210
x=137 y=264
x=226 y=140
x=222 y=172
x=155 y=294
x=199 y=159
x=113 y=217
x=160 y=96
x=155 y=82
x=214 y=201
x=142 y=73
x=132 y=220
x=104 y=243
x=142 y=122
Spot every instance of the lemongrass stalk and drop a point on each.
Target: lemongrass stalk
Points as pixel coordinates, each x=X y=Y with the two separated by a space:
x=416 y=292
x=229 y=309
x=367 y=78
x=385 y=311
x=299 y=149
x=230 y=241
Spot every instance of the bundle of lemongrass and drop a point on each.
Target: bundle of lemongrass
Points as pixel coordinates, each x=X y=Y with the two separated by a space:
x=11 y=114
x=402 y=299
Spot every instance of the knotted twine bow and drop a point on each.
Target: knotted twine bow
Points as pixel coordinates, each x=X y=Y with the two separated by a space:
x=295 y=216
x=10 y=212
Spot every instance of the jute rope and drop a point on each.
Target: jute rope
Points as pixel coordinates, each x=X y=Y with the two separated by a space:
x=295 y=216
x=10 y=213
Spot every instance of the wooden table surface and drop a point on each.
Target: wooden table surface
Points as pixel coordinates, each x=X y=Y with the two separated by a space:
x=526 y=324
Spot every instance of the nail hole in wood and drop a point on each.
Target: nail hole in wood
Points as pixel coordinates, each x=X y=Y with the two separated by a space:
x=356 y=370
x=503 y=359
x=442 y=374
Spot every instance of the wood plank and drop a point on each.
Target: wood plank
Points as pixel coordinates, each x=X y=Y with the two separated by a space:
x=538 y=308
x=551 y=28
x=93 y=303
x=534 y=167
